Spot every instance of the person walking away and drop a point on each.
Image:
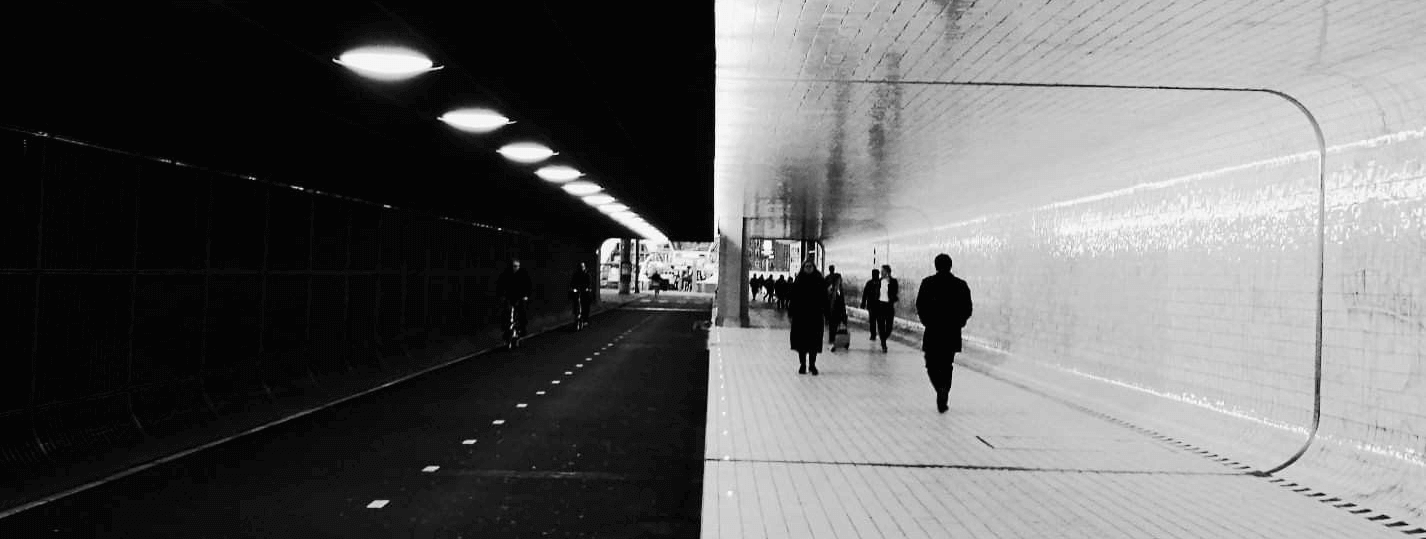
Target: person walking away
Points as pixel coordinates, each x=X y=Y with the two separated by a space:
x=769 y=284
x=781 y=291
x=807 y=307
x=581 y=293
x=754 y=283
x=513 y=287
x=943 y=304
x=836 y=305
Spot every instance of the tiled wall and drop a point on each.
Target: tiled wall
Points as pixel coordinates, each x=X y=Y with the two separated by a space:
x=1204 y=291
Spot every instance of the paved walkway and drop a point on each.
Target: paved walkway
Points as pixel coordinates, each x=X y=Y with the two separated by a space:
x=860 y=451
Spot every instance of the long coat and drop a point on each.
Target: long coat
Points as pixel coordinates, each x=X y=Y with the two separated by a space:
x=943 y=304
x=808 y=308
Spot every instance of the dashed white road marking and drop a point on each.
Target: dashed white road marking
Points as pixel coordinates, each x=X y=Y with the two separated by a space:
x=596 y=353
x=377 y=504
x=467 y=442
x=539 y=392
x=521 y=405
x=502 y=421
x=567 y=373
x=554 y=381
x=430 y=469
x=579 y=365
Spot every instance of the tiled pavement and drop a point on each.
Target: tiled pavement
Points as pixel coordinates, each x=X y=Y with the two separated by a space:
x=859 y=451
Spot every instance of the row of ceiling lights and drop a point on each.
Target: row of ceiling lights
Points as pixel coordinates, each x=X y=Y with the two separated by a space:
x=397 y=63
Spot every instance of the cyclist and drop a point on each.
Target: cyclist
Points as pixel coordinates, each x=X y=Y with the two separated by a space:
x=581 y=294
x=513 y=287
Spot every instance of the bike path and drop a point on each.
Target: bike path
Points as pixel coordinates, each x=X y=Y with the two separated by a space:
x=608 y=443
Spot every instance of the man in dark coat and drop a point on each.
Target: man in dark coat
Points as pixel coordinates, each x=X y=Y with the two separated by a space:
x=807 y=307
x=513 y=287
x=943 y=303
x=880 y=298
x=869 y=292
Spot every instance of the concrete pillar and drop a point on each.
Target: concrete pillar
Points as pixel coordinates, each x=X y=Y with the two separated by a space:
x=731 y=299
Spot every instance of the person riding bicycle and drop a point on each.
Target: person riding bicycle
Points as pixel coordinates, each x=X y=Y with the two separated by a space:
x=513 y=288
x=581 y=293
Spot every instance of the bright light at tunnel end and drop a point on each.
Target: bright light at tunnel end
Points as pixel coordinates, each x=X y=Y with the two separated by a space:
x=386 y=63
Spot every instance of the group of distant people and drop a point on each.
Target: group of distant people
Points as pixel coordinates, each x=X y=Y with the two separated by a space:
x=775 y=291
x=943 y=304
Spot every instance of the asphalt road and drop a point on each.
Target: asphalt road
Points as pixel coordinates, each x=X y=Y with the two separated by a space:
x=597 y=433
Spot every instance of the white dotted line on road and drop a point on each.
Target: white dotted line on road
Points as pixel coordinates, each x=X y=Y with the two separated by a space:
x=379 y=504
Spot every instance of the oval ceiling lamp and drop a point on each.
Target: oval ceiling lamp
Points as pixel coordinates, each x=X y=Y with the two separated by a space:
x=582 y=188
x=386 y=63
x=475 y=120
x=558 y=173
x=611 y=208
x=526 y=152
x=596 y=200
x=621 y=215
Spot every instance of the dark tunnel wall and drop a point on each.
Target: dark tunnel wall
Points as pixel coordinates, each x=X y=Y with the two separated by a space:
x=151 y=306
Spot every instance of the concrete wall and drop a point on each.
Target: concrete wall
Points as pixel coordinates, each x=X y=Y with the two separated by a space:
x=151 y=307
x=1188 y=301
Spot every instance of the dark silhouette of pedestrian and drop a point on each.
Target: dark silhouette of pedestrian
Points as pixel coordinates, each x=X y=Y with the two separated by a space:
x=783 y=291
x=867 y=302
x=807 y=305
x=943 y=304
x=880 y=298
x=836 y=304
x=754 y=284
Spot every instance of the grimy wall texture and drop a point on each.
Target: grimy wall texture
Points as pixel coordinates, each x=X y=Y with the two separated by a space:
x=151 y=307
x=1189 y=300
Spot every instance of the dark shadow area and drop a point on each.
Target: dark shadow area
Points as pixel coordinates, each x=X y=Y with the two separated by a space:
x=614 y=450
x=154 y=307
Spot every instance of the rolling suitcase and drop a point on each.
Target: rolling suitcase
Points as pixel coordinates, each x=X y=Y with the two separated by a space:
x=841 y=339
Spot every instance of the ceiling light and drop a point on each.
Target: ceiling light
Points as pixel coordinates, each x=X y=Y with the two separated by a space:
x=558 y=173
x=526 y=152
x=611 y=208
x=582 y=188
x=596 y=200
x=475 y=120
x=385 y=63
x=623 y=214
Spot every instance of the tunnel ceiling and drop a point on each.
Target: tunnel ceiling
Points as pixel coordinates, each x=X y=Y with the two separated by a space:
x=250 y=87
x=809 y=144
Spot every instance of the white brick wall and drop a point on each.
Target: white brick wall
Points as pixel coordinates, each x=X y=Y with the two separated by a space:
x=1186 y=263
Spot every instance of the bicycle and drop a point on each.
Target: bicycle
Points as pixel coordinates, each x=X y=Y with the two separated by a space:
x=581 y=309
x=513 y=327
